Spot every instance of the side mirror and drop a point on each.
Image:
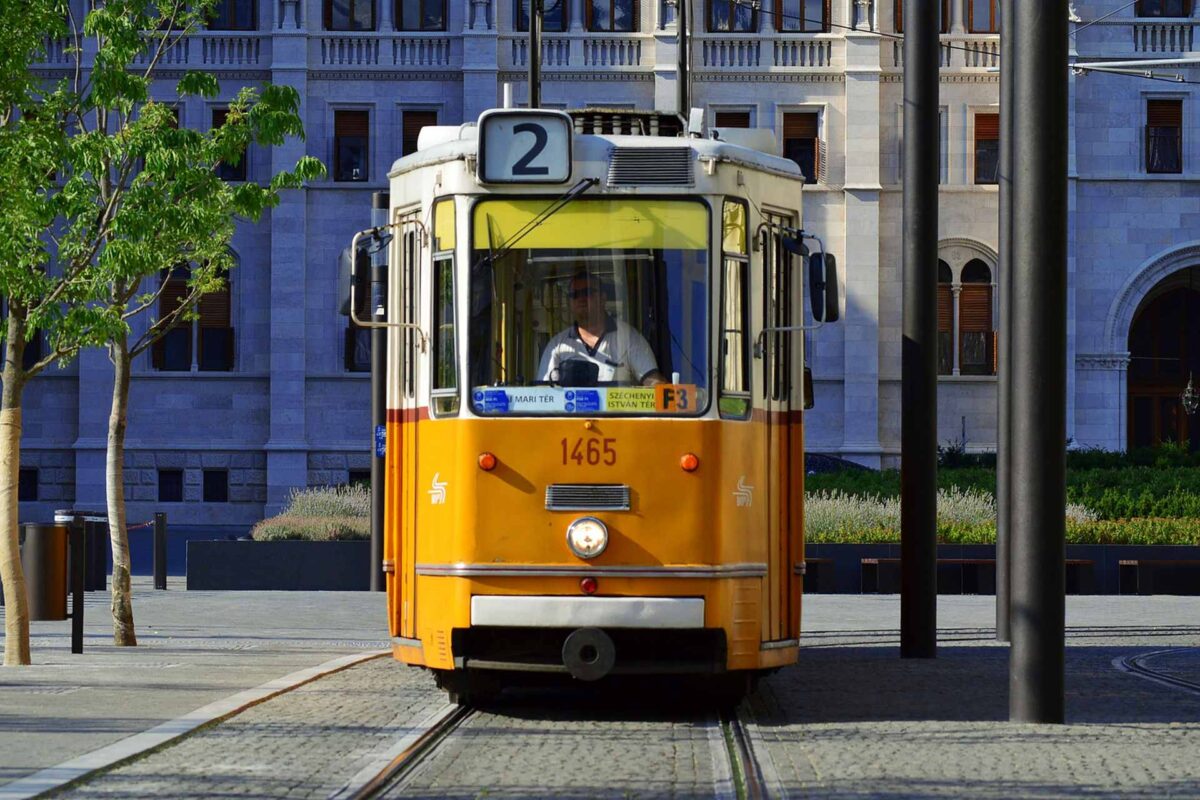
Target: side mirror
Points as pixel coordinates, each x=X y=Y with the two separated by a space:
x=357 y=273
x=823 y=287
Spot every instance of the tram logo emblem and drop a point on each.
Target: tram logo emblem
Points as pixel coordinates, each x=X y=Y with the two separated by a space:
x=437 y=495
x=743 y=494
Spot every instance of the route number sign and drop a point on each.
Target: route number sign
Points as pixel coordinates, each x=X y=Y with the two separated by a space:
x=524 y=146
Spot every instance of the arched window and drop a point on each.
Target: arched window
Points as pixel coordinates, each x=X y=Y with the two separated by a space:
x=945 y=307
x=209 y=337
x=976 y=335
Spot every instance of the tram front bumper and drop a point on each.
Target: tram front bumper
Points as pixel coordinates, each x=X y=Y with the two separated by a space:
x=579 y=612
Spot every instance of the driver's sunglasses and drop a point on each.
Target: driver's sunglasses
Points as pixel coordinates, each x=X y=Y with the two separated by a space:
x=585 y=291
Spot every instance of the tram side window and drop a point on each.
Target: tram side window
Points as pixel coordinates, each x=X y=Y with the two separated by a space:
x=445 y=350
x=778 y=313
x=734 y=401
x=411 y=252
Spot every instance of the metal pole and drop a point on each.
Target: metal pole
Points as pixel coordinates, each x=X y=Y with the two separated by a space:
x=535 y=53
x=1004 y=345
x=1039 y=368
x=379 y=278
x=78 y=560
x=683 y=61
x=160 y=550
x=918 y=434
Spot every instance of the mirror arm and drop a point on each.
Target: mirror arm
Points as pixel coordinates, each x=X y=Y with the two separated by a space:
x=758 y=340
x=353 y=308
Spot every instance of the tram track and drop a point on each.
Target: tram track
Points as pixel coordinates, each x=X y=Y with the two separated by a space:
x=1135 y=665
x=748 y=780
x=413 y=750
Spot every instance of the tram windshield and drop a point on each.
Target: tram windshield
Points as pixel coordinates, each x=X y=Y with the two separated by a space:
x=599 y=308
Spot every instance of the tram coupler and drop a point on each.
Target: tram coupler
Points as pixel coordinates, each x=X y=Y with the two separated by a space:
x=589 y=654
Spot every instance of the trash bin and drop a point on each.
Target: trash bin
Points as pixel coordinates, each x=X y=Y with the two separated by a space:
x=44 y=561
x=95 y=527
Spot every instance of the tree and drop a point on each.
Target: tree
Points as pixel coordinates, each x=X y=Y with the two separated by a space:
x=135 y=198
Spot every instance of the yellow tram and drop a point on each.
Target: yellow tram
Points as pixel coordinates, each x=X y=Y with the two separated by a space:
x=594 y=443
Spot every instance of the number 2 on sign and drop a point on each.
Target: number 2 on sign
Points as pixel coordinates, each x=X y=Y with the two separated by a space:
x=593 y=452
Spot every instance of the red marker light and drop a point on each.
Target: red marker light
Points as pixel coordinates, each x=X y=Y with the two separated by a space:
x=588 y=585
x=487 y=462
x=689 y=462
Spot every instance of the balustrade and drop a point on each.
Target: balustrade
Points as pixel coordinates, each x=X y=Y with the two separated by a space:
x=1163 y=37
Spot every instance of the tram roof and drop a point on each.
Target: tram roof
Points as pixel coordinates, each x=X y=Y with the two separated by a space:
x=744 y=147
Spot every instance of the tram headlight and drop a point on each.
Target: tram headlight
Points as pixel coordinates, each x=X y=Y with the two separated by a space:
x=587 y=537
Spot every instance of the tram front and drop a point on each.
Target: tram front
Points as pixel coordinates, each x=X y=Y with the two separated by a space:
x=587 y=472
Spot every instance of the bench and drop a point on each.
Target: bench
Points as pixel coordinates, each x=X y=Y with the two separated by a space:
x=965 y=576
x=1158 y=576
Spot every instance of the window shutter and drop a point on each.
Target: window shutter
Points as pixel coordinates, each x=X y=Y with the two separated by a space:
x=351 y=123
x=975 y=308
x=733 y=119
x=800 y=126
x=1164 y=113
x=173 y=294
x=987 y=127
x=413 y=122
x=945 y=308
x=214 y=309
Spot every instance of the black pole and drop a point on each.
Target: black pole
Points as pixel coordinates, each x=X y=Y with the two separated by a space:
x=535 y=53
x=918 y=432
x=379 y=277
x=1039 y=368
x=78 y=537
x=683 y=60
x=160 y=550
x=1005 y=342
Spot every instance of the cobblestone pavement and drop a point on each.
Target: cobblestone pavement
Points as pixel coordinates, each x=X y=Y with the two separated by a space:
x=303 y=744
x=851 y=720
x=577 y=744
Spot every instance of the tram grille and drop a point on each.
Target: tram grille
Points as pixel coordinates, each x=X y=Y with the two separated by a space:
x=650 y=166
x=587 y=497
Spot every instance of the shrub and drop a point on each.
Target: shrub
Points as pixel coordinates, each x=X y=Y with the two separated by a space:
x=312 y=529
x=330 y=501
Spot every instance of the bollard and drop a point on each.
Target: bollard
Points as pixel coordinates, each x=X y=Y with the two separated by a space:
x=44 y=559
x=160 y=550
x=78 y=539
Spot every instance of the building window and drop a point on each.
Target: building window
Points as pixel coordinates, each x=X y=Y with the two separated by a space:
x=983 y=16
x=27 y=484
x=351 y=130
x=358 y=348
x=170 y=486
x=801 y=16
x=731 y=16
x=233 y=15
x=611 y=15
x=421 y=15
x=212 y=333
x=944 y=22
x=414 y=121
x=945 y=321
x=976 y=347
x=731 y=119
x=987 y=148
x=216 y=486
x=554 y=15
x=1164 y=8
x=226 y=170
x=802 y=142
x=1164 y=136
x=360 y=477
x=349 y=15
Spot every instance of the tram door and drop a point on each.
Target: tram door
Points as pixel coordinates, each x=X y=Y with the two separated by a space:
x=410 y=490
x=778 y=310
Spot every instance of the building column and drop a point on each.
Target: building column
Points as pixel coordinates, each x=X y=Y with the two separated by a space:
x=287 y=445
x=91 y=446
x=862 y=257
x=958 y=17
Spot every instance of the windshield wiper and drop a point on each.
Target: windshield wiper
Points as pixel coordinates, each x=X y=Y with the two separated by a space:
x=550 y=210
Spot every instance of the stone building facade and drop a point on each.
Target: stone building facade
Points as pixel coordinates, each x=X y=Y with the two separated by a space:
x=229 y=436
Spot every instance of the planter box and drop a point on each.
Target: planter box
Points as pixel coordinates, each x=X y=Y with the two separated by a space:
x=854 y=568
x=279 y=566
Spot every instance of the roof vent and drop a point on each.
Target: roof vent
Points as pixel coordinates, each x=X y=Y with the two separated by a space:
x=650 y=166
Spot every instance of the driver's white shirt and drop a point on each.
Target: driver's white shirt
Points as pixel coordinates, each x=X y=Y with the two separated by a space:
x=622 y=353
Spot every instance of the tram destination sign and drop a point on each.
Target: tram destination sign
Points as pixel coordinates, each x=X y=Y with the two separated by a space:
x=524 y=146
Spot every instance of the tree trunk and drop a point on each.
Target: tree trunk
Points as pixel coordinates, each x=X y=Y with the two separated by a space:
x=16 y=610
x=122 y=592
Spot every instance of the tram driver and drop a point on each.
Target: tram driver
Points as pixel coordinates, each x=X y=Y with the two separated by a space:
x=620 y=353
